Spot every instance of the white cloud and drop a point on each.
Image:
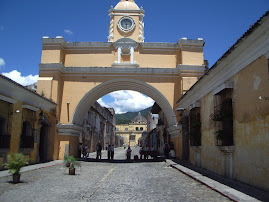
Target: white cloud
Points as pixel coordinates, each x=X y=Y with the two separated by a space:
x=101 y=102
x=68 y=32
x=23 y=80
x=2 y=62
x=128 y=101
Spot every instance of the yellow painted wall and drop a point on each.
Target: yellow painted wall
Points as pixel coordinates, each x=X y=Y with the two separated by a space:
x=251 y=127
x=51 y=56
x=73 y=141
x=251 y=138
x=193 y=57
x=90 y=58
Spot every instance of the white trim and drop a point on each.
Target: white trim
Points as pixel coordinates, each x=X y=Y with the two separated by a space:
x=251 y=48
x=30 y=107
x=7 y=99
x=225 y=85
x=45 y=78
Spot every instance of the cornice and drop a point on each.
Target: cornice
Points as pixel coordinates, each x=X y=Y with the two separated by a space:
x=112 y=10
x=76 y=71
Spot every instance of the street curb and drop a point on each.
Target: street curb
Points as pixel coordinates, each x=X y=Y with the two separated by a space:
x=6 y=173
x=224 y=190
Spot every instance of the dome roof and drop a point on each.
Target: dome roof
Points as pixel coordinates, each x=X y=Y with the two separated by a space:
x=139 y=118
x=127 y=5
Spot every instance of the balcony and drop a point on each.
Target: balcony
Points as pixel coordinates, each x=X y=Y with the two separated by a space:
x=4 y=141
x=27 y=141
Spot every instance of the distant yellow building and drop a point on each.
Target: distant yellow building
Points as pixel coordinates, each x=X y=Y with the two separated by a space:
x=133 y=131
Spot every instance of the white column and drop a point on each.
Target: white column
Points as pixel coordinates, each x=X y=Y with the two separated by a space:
x=119 y=54
x=132 y=54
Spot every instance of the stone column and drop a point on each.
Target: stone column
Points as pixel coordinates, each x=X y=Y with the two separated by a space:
x=132 y=54
x=119 y=54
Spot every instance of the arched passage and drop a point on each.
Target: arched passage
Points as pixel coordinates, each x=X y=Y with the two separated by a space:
x=122 y=84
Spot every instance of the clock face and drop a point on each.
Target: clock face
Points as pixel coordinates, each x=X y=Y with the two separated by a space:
x=126 y=24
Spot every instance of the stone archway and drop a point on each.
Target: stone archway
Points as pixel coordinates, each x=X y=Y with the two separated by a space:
x=122 y=84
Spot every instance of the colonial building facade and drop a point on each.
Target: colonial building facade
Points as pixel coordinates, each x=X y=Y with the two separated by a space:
x=76 y=74
x=133 y=131
x=225 y=122
x=27 y=123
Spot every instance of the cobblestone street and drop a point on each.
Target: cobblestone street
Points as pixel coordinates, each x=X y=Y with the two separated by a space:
x=104 y=181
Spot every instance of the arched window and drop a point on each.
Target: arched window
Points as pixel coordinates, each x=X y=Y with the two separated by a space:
x=141 y=128
x=126 y=129
x=136 y=128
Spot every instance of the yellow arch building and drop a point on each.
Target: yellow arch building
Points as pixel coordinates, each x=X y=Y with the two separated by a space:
x=76 y=74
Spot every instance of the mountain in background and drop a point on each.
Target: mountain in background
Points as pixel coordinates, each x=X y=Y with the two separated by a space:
x=127 y=117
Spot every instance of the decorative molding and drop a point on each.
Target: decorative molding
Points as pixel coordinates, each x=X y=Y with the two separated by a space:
x=7 y=99
x=69 y=129
x=225 y=85
x=187 y=69
x=30 y=108
x=127 y=29
x=125 y=65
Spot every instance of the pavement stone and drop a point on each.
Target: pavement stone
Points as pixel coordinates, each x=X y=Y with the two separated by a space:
x=107 y=181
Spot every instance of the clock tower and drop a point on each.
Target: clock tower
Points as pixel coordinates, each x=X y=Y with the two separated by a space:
x=126 y=21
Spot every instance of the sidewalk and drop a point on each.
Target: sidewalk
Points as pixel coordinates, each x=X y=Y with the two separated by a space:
x=232 y=189
x=33 y=167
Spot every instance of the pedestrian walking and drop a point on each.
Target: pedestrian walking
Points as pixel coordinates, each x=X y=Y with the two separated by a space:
x=128 y=153
x=108 y=152
x=112 y=152
x=87 y=151
x=84 y=152
x=98 y=151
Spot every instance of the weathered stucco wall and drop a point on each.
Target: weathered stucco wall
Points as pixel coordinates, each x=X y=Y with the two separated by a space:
x=251 y=127
x=251 y=124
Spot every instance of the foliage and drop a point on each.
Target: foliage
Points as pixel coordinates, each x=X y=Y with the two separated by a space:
x=72 y=161
x=219 y=135
x=218 y=115
x=127 y=117
x=15 y=162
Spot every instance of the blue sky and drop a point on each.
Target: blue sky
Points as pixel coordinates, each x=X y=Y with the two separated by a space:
x=23 y=23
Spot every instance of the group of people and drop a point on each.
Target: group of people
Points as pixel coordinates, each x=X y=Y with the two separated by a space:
x=84 y=151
